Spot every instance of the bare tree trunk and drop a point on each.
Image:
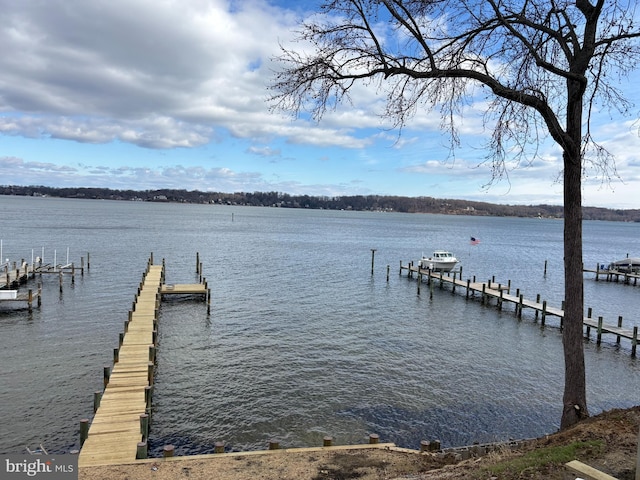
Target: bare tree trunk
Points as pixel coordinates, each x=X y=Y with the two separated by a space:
x=575 y=396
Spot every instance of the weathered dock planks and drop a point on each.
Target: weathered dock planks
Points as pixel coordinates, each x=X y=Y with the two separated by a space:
x=120 y=424
x=501 y=293
x=119 y=430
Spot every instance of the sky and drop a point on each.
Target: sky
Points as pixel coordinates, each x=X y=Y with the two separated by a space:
x=148 y=94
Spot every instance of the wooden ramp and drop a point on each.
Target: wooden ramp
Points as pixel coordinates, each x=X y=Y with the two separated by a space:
x=121 y=419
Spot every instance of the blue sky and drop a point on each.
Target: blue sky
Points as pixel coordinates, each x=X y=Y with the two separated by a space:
x=145 y=94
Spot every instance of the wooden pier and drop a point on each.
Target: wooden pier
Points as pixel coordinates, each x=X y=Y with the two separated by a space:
x=119 y=430
x=501 y=293
x=612 y=275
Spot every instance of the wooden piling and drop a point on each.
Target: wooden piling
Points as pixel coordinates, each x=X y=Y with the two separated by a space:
x=84 y=430
x=373 y=254
x=141 y=451
x=374 y=438
x=327 y=441
x=274 y=445
x=218 y=447
x=167 y=451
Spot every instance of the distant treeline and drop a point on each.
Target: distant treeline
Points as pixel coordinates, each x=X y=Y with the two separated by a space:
x=379 y=203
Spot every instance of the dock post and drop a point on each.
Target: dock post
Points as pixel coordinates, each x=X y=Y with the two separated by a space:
x=589 y=312
x=97 y=396
x=141 y=451
x=484 y=287
x=167 y=451
x=400 y=271
x=88 y=261
x=374 y=438
x=537 y=301
x=148 y=393
x=84 y=430
x=597 y=271
x=116 y=355
x=373 y=254
x=218 y=447
x=468 y=287
x=599 y=337
x=453 y=288
x=197 y=262
x=430 y=285
x=144 y=426
x=520 y=302
x=30 y=300
x=327 y=441
x=419 y=281
x=388 y=268
x=500 y=299
x=274 y=444
x=106 y=373
x=544 y=311
x=545 y=268
x=634 y=341
x=619 y=326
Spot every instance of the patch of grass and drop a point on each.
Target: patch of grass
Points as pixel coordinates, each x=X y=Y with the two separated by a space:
x=542 y=458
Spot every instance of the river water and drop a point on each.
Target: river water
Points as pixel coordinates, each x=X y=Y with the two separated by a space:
x=303 y=341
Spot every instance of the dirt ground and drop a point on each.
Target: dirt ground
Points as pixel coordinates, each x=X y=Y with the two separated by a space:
x=607 y=442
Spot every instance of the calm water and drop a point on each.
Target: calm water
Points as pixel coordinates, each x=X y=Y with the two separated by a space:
x=302 y=340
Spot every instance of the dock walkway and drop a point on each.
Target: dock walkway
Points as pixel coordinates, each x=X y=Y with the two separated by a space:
x=121 y=417
x=119 y=430
x=501 y=293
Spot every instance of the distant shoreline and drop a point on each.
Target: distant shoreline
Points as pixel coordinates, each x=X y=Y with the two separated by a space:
x=373 y=203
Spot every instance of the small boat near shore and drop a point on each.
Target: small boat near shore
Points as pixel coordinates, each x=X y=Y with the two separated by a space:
x=440 y=261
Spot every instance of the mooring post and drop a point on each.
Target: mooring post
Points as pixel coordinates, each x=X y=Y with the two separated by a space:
x=537 y=301
x=327 y=441
x=167 y=451
x=430 y=284
x=218 y=447
x=97 y=397
x=274 y=444
x=419 y=281
x=84 y=430
x=388 y=269
x=373 y=254
x=520 y=305
x=468 y=286
x=545 y=268
x=619 y=326
x=106 y=373
x=197 y=262
x=144 y=426
x=544 y=311
x=374 y=438
x=599 y=337
x=141 y=450
x=589 y=312
x=634 y=341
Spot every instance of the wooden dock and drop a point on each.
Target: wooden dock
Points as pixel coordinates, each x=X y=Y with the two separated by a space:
x=119 y=430
x=501 y=293
x=612 y=275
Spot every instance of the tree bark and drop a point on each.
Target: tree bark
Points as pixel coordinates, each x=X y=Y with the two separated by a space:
x=575 y=396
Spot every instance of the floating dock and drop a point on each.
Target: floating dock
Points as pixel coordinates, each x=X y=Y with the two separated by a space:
x=501 y=293
x=119 y=430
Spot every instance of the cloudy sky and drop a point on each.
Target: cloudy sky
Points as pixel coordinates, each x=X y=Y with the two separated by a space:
x=145 y=94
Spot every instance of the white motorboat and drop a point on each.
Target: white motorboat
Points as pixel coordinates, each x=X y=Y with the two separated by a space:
x=440 y=261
